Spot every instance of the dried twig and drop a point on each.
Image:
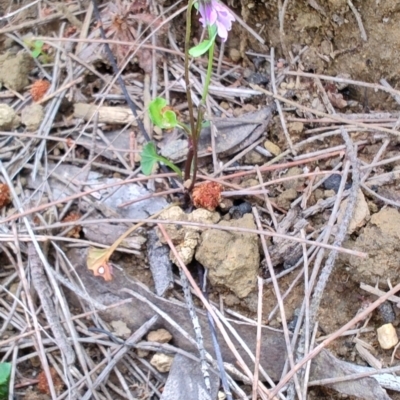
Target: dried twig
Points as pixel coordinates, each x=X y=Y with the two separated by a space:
x=195 y=321
x=358 y=19
x=335 y=335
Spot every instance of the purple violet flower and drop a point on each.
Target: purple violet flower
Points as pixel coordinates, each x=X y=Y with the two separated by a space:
x=213 y=12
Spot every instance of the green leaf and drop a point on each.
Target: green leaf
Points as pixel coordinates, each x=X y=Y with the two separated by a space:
x=149 y=158
x=169 y=119
x=36 y=53
x=5 y=372
x=160 y=115
x=201 y=48
x=212 y=31
x=38 y=44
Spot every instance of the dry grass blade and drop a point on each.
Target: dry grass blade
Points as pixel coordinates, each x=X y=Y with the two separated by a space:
x=195 y=321
x=262 y=391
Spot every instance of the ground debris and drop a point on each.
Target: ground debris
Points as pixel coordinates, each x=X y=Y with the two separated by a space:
x=232 y=258
x=14 y=70
x=162 y=362
x=234 y=134
x=9 y=120
x=380 y=239
x=160 y=263
x=32 y=116
x=186 y=381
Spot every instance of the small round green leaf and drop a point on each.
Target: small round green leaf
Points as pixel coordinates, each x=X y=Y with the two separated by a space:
x=160 y=115
x=148 y=158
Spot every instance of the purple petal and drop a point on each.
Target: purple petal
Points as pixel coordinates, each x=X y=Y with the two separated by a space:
x=222 y=31
x=215 y=13
x=208 y=14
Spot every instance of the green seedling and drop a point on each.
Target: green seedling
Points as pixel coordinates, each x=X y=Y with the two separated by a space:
x=5 y=373
x=217 y=19
x=36 y=49
x=149 y=158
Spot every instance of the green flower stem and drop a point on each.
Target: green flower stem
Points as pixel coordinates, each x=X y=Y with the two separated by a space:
x=209 y=72
x=201 y=112
x=191 y=160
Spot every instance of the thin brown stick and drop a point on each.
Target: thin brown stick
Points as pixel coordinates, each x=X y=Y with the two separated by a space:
x=213 y=226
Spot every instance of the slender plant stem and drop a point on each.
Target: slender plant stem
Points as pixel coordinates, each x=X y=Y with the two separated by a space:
x=201 y=111
x=209 y=73
x=188 y=89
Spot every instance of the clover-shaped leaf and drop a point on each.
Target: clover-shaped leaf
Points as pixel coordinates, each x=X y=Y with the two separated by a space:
x=149 y=158
x=161 y=114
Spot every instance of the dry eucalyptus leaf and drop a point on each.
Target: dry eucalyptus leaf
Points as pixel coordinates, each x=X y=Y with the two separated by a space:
x=97 y=261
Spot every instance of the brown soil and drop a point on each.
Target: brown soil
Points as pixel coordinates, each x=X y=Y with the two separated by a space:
x=335 y=47
x=334 y=40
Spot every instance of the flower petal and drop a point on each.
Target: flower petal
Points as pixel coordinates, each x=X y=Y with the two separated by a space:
x=208 y=14
x=222 y=31
x=213 y=12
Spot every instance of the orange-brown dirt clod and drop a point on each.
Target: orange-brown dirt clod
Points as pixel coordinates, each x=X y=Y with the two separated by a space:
x=39 y=89
x=5 y=196
x=43 y=385
x=74 y=232
x=207 y=195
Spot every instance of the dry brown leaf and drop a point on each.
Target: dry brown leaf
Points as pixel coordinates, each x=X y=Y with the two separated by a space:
x=97 y=261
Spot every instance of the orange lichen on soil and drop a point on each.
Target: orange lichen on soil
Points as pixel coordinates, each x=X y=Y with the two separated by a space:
x=39 y=89
x=207 y=195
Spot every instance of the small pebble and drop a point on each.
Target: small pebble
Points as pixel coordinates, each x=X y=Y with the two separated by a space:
x=387 y=336
x=159 y=336
x=237 y=212
x=295 y=127
x=234 y=55
x=225 y=105
x=272 y=148
x=162 y=362
x=386 y=312
x=333 y=183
